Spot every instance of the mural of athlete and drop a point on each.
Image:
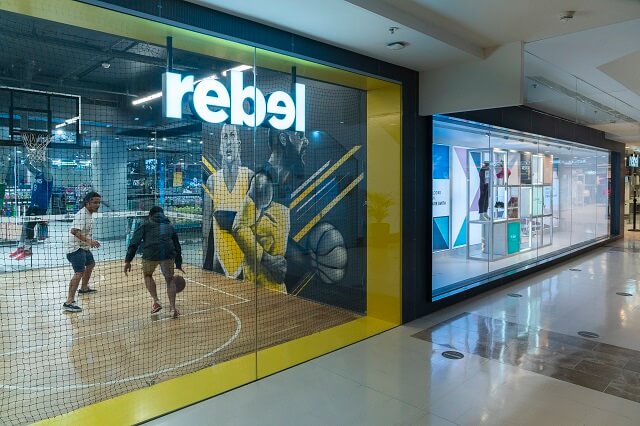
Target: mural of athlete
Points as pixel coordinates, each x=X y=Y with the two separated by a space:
x=261 y=231
x=41 y=191
x=263 y=226
x=286 y=162
x=226 y=189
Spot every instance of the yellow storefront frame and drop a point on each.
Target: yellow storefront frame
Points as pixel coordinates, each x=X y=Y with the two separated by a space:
x=383 y=182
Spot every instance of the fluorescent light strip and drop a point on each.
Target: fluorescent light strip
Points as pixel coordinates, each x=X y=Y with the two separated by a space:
x=147 y=98
x=159 y=94
x=238 y=68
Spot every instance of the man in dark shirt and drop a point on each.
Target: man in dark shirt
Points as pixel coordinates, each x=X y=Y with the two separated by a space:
x=160 y=247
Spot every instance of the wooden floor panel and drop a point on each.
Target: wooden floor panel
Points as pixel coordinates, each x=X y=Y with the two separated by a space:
x=52 y=362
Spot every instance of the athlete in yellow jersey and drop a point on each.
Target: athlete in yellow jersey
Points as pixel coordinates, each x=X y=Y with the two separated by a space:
x=261 y=229
x=228 y=188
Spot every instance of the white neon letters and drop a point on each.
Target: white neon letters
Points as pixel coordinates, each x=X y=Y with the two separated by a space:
x=213 y=103
x=210 y=93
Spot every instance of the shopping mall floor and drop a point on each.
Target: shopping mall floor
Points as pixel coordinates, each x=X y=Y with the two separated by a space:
x=524 y=362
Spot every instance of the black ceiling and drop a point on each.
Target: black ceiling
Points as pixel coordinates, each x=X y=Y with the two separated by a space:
x=45 y=55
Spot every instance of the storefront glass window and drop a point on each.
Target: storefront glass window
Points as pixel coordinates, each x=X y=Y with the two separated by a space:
x=281 y=178
x=502 y=199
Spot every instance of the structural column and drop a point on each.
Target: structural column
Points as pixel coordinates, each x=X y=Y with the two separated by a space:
x=109 y=179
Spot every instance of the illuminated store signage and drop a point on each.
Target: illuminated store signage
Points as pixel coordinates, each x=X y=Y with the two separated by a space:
x=213 y=103
x=634 y=161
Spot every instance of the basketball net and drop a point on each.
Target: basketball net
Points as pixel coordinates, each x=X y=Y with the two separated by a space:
x=36 y=145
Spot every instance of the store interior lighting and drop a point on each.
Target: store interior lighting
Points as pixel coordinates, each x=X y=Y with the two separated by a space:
x=158 y=95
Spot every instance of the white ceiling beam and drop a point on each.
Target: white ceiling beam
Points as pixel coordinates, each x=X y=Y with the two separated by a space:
x=384 y=9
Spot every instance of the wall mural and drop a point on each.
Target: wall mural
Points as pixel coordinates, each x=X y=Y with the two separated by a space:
x=286 y=209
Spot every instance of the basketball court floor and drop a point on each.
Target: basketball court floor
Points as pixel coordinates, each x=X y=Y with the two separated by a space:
x=52 y=362
x=523 y=361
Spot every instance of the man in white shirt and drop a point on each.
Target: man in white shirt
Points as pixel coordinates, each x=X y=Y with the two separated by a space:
x=78 y=245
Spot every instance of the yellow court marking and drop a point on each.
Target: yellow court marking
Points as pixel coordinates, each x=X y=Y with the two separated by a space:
x=208 y=165
x=318 y=181
x=326 y=210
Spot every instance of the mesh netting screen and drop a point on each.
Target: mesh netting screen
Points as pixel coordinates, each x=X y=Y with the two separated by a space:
x=267 y=226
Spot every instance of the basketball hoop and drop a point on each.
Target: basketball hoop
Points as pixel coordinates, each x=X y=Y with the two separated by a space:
x=36 y=145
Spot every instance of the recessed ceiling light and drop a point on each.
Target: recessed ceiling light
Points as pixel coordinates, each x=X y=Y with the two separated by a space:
x=397 y=45
x=567 y=16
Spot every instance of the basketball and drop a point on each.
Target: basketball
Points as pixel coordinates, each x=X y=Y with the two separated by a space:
x=179 y=282
x=328 y=252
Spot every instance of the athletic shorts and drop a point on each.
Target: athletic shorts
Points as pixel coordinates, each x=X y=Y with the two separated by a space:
x=81 y=259
x=166 y=266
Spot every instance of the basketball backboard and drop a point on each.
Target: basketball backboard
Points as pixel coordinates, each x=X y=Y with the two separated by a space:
x=44 y=113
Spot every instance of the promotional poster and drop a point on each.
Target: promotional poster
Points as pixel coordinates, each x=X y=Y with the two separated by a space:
x=286 y=208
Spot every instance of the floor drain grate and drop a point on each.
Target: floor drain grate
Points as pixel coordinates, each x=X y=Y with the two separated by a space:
x=621 y=293
x=588 y=334
x=452 y=355
x=575 y=269
x=514 y=295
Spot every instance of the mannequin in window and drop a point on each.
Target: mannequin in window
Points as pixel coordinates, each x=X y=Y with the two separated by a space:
x=483 y=201
x=41 y=190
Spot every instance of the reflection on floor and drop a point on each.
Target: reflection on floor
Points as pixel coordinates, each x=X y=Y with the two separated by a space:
x=395 y=378
x=600 y=366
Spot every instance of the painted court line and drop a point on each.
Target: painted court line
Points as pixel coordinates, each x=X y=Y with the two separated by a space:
x=41 y=347
x=217 y=289
x=133 y=378
x=163 y=319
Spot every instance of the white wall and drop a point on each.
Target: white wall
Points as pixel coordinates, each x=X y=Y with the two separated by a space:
x=493 y=82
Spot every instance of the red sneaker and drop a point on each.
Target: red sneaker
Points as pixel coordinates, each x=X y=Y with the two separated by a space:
x=23 y=255
x=16 y=252
x=155 y=308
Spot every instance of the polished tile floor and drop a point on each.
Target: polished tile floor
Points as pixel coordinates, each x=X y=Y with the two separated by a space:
x=524 y=363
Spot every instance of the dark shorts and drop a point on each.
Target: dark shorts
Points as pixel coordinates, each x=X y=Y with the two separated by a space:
x=80 y=259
